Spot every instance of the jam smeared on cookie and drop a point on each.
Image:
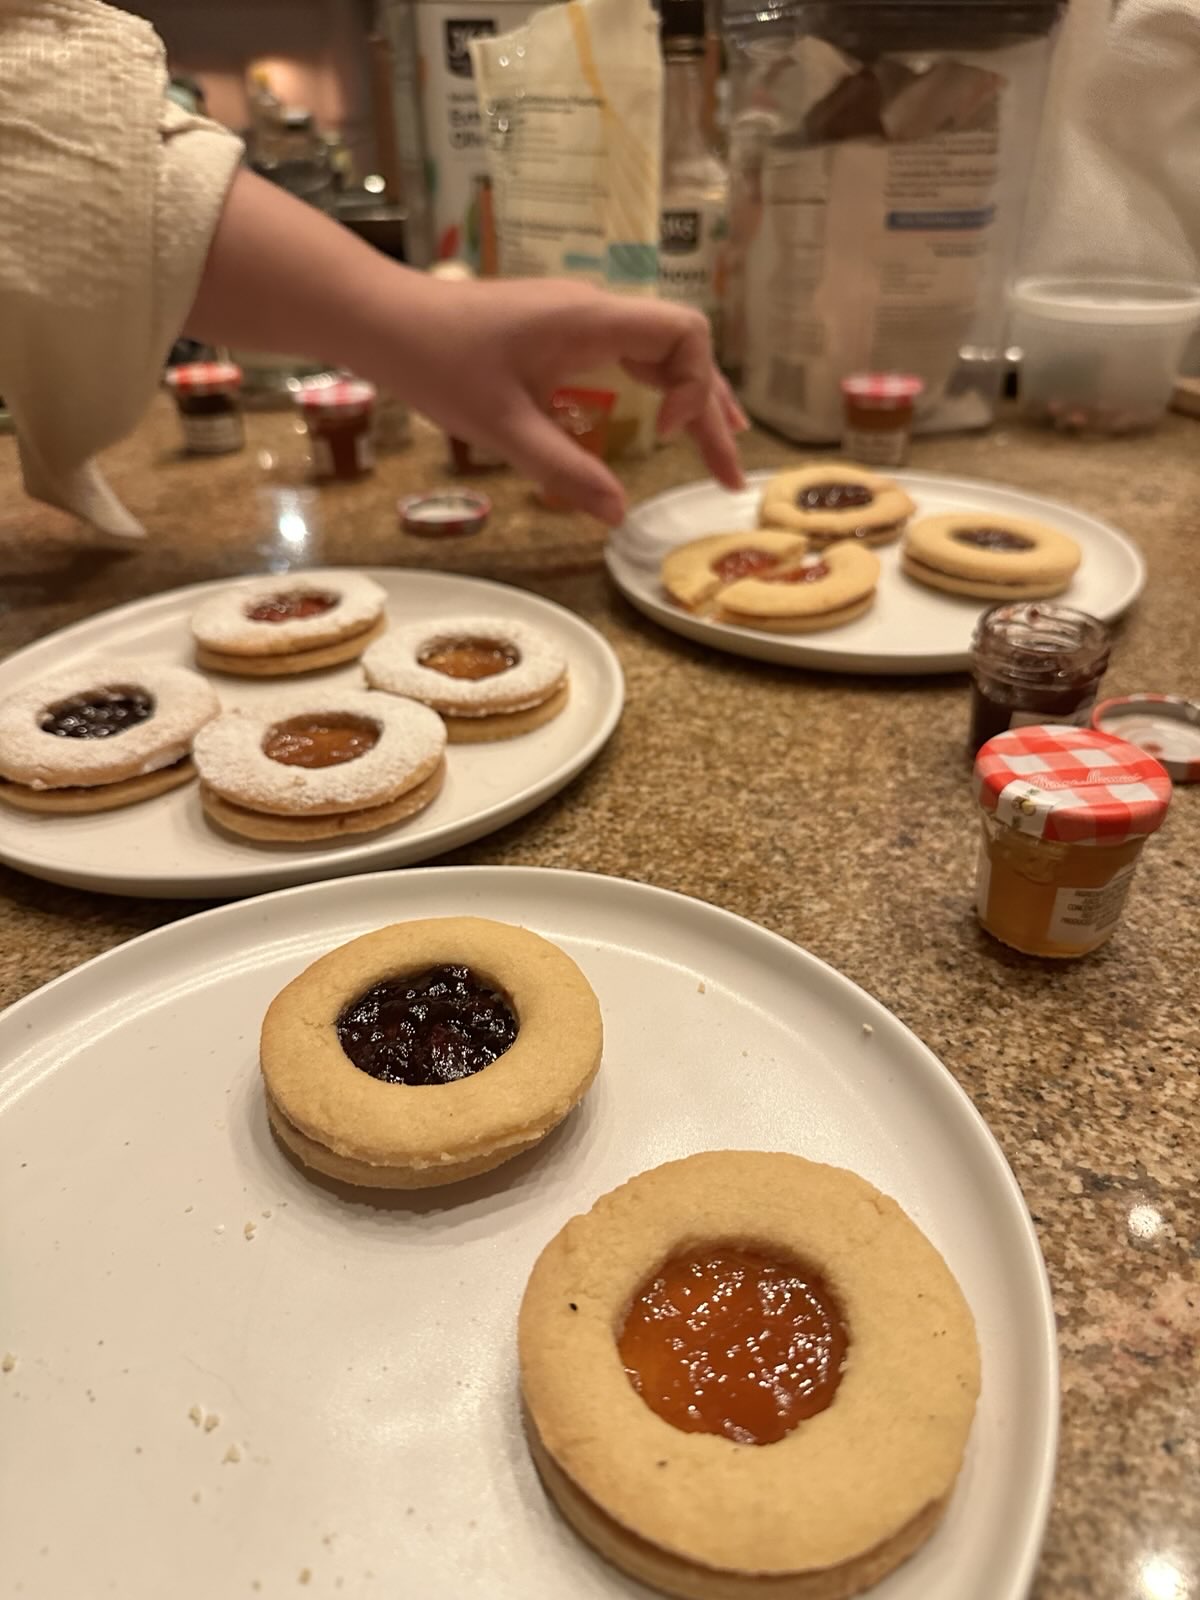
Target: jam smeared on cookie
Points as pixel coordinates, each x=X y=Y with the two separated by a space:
x=727 y=1341
x=469 y=658
x=813 y=572
x=296 y=605
x=329 y=740
x=442 y=1024
x=834 y=496
x=98 y=714
x=992 y=539
x=744 y=564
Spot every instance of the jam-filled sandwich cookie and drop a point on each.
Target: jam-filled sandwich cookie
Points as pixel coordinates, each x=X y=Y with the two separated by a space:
x=693 y=573
x=486 y=678
x=746 y=1374
x=101 y=736
x=823 y=591
x=990 y=557
x=297 y=622
x=428 y=1052
x=829 y=501
x=320 y=764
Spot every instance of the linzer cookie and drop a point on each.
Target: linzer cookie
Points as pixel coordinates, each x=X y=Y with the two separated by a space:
x=990 y=556
x=486 y=678
x=320 y=765
x=280 y=626
x=830 y=501
x=693 y=573
x=823 y=591
x=101 y=736
x=748 y=1374
x=428 y=1052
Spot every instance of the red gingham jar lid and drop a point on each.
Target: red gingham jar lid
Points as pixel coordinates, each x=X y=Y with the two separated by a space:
x=347 y=395
x=884 y=387
x=205 y=377
x=1074 y=785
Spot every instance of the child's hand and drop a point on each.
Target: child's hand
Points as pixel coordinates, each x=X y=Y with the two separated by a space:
x=486 y=357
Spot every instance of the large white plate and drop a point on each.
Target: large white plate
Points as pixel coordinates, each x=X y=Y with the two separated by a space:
x=360 y=1355
x=164 y=847
x=909 y=628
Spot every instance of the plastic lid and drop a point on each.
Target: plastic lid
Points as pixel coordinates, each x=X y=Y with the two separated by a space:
x=321 y=394
x=1163 y=725
x=205 y=377
x=445 y=511
x=887 y=386
x=1133 y=301
x=1074 y=785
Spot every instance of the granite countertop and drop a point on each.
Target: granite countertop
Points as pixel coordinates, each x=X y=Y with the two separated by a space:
x=834 y=810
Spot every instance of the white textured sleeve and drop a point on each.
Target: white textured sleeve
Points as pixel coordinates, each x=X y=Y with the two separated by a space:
x=109 y=195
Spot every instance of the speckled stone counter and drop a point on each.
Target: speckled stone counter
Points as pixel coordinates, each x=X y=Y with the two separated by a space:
x=836 y=811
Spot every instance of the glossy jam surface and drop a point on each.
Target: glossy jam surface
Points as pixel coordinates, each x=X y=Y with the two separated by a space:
x=470 y=658
x=744 y=564
x=834 y=497
x=294 y=607
x=99 y=714
x=813 y=572
x=728 y=1341
x=325 y=741
x=992 y=539
x=434 y=1027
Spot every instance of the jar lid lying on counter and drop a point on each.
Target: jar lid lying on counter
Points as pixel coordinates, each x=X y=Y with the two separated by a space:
x=1072 y=785
x=445 y=512
x=1165 y=726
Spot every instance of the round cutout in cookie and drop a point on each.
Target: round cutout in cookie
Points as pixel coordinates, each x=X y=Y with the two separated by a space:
x=97 y=737
x=295 y=622
x=693 y=573
x=428 y=1052
x=318 y=764
x=487 y=677
x=832 y=500
x=990 y=556
x=824 y=591
x=657 y=1454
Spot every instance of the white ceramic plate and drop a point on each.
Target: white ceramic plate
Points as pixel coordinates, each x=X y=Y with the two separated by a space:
x=360 y=1356
x=164 y=847
x=909 y=628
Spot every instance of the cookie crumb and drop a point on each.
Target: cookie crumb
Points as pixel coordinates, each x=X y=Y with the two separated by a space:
x=186 y=1209
x=211 y=1421
x=266 y=1213
x=700 y=988
x=233 y=1455
x=220 y=1228
x=9 y=1362
x=305 y=1576
x=196 y=1497
x=254 y=1584
x=868 y=1029
x=248 y=1231
x=195 y=1415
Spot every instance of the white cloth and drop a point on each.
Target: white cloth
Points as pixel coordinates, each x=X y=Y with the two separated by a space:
x=1118 y=186
x=109 y=195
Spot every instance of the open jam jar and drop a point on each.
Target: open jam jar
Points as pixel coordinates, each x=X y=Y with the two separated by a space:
x=1034 y=662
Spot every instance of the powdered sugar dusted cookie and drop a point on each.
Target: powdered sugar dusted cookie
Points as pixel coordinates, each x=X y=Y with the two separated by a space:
x=832 y=500
x=821 y=592
x=90 y=739
x=296 y=622
x=318 y=764
x=694 y=572
x=487 y=678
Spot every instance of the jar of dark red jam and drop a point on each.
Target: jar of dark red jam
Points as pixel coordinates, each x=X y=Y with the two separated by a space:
x=338 y=414
x=207 y=395
x=1034 y=662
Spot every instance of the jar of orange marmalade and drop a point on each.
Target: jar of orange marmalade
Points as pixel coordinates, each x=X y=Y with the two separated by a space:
x=1065 y=812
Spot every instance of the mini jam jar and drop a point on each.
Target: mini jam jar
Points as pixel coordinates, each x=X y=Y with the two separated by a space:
x=879 y=409
x=338 y=413
x=1034 y=662
x=1064 y=814
x=207 y=396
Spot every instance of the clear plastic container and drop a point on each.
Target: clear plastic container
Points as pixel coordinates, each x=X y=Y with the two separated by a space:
x=880 y=153
x=1100 y=355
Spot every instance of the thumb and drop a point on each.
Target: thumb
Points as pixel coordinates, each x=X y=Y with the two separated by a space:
x=541 y=450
